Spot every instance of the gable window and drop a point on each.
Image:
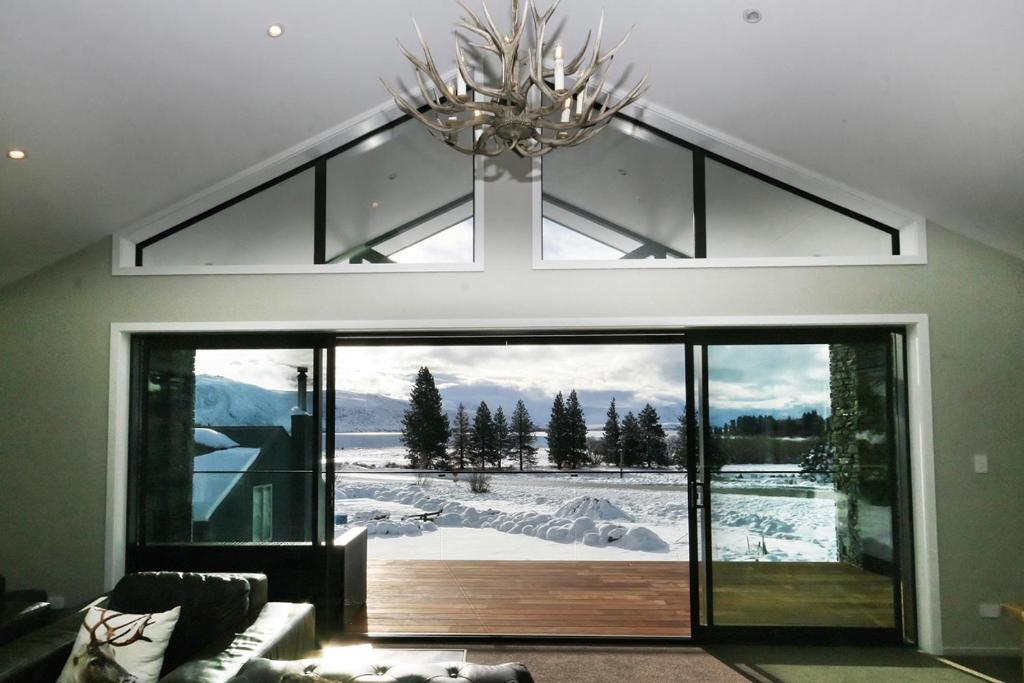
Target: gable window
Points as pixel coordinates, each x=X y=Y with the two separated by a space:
x=626 y=194
x=274 y=226
x=396 y=197
x=636 y=196
x=392 y=197
x=748 y=217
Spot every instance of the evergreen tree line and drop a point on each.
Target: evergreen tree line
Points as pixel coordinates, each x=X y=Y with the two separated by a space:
x=486 y=440
x=640 y=440
x=489 y=440
x=810 y=424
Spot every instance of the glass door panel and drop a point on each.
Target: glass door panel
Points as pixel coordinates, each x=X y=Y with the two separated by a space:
x=520 y=486
x=799 y=446
x=230 y=449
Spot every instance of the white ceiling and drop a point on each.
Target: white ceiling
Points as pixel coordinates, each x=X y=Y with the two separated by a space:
x=127 y=107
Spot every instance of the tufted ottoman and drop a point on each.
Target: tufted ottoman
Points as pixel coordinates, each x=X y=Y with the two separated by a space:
x=363 y=670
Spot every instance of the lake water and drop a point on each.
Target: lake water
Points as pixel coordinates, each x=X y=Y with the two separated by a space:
x=381 y=440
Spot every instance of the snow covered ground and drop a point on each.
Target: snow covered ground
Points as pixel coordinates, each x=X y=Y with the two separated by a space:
x=757 y=513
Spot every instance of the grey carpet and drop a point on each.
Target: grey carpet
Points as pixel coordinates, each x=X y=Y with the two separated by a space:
x=837 y=664
x=726 y=664
x=599 y=664
x=1005 y=669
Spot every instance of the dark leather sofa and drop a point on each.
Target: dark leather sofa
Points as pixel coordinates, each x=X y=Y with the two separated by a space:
x=379 y=671
x=225 y=621
x=20 y=611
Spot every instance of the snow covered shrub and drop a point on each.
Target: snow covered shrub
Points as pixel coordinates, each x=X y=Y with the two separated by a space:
x=479 y=482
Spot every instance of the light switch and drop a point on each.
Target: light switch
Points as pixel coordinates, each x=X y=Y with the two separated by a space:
x=981 y=463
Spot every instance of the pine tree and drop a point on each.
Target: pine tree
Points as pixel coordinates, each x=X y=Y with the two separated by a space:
x=460 y=438
x=502 y=436
x=679 y=444
x=483 y=443
x=630 y=441
x=612 y=436
x=522 y=429
x=425 y=428
x=654 y=448
x=556 y=432
x=576 y=432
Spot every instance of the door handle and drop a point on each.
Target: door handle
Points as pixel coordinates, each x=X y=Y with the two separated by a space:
x=696 y=494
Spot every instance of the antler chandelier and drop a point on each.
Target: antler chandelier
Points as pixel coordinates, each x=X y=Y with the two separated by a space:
x=531 y=108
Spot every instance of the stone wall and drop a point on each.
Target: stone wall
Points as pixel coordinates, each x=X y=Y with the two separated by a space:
x=858 y=439
x=170 y=443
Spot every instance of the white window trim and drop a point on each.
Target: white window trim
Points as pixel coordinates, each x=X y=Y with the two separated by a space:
x=919 y=398
x=911 y=226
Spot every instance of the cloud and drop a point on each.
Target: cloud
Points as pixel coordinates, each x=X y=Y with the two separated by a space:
x=654 y=370
x=770 y=378
x=755 y=378
x=267 y=368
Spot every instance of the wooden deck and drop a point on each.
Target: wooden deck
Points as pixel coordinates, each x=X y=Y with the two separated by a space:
x=526 y=598
x=649 y=599
x=801 y=594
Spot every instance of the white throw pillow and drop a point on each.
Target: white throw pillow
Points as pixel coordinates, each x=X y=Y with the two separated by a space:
x=114 y=646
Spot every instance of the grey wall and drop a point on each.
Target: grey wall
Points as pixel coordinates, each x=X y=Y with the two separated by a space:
x=55 y=326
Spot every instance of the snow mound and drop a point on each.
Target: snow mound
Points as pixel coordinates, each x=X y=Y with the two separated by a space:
x=581 y=520
x=211 y=438
x=642 y=538
x=594 y=508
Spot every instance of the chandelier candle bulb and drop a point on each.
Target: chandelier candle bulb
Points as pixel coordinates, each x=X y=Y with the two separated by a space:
x=579 y=103
x=460 y=86
x=567 y=110
x=559 y=67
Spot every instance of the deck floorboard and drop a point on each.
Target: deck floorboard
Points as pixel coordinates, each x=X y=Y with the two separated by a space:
x=652 y=599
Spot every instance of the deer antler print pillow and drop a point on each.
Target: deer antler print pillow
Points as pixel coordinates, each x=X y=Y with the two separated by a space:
x=114 y=647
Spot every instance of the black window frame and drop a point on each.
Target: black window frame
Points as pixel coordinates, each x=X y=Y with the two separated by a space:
x=142 y=345
x=700 y=157
x=905 y=629
x=319 y=166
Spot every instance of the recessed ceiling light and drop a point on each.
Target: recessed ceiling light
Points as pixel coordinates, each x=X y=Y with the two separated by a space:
x=275 y=30
x=623 y=171
x=16 y=154
x=752 y=16
x=375 y=204
x=392 y=176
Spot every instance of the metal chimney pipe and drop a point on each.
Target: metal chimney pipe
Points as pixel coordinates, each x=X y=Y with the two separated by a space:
x=302 y=387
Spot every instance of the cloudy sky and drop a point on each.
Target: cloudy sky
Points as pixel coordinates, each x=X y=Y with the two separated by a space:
x=781 y=378
x=784 y=379
x=270 y=369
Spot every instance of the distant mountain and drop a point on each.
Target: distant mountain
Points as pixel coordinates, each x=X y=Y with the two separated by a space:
x=225 y=402
x=222 y=401
x=367 y=412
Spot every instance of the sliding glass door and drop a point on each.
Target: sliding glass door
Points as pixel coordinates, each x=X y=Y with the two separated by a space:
x=801 y=440
x=604 y=484
x=226 y=470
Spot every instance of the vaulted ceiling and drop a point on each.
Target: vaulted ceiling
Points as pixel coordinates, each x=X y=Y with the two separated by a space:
x=127 y=107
